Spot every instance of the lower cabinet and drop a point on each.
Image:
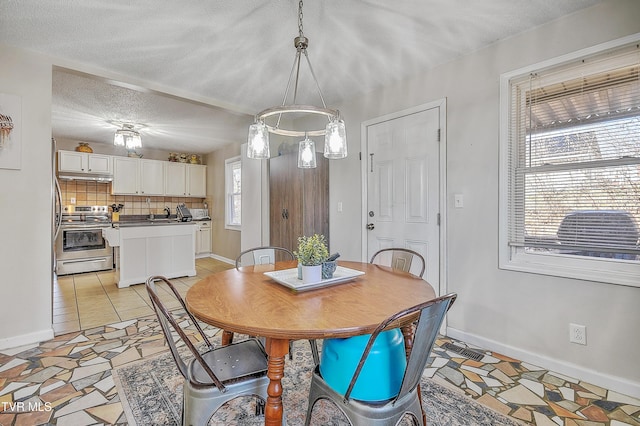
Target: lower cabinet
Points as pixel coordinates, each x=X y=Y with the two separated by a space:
x=203 y=238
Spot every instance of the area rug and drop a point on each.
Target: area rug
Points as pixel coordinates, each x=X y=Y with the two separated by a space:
x=151 y=394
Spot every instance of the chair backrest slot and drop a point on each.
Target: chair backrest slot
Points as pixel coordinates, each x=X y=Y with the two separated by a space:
x=399 y=258
x=263 y=255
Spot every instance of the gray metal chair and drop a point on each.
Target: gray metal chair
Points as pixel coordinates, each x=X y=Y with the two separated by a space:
x=217 y=375
x=399 y=258
x=270 y=255
x=263 y=255
x=407 y=401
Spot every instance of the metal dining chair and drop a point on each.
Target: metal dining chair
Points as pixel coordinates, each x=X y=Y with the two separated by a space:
x=269 y=255
x=263 y=255
x=405 y=399
x=399 y=258
x=219 y=374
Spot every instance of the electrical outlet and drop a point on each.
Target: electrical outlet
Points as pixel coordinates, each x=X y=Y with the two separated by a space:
x=578 y=334
x=73 y=200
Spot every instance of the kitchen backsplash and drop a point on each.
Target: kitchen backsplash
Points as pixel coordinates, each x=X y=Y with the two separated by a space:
x=99 y=193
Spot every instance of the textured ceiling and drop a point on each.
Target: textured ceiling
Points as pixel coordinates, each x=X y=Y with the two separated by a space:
x=235 y=56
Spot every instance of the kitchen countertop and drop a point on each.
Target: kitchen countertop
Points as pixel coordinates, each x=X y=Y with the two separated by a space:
x=143 y=220
x=149 y=222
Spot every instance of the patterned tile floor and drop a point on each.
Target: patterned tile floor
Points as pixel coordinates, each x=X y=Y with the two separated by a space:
x=67 y=381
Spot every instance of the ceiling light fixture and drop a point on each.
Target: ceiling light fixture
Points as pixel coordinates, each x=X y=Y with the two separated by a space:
x=268 y=121
x=127 y=137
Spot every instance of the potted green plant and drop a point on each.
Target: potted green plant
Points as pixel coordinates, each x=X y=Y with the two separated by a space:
x=312 y=251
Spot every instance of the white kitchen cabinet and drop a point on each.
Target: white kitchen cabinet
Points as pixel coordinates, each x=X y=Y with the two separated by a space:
x=186 y=180
x=151 y=177
x=203 y=237
x=134 y=176
x=196 y=180
x=125 y=176
x=83 y=162
x=175 y=182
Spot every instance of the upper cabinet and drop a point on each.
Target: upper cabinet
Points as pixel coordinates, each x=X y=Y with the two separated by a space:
x=125 y=176
x=196 y=180
x=185 y=180
x=134 y=176
x=151 y=177
x=175 y=182
x=82 y=162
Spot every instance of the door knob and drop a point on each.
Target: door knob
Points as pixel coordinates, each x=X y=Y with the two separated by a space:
x=370 y=226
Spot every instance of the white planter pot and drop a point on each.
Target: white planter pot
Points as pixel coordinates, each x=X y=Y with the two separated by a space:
x=311 y=274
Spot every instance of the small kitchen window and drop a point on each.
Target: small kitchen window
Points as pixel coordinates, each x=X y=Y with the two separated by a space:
x=570 y=166
x=233 y=190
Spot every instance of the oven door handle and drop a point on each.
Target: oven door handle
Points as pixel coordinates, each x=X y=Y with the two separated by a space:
x=93 y=259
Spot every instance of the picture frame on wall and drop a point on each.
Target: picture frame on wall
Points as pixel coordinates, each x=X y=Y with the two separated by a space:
x=10 y=131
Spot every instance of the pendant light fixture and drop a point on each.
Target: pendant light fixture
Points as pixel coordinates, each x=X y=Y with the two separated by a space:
x=268 y=121
x=306 y=154
x=127 y=137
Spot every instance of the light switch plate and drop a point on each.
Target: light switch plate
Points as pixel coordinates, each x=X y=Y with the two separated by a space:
x=458 y=201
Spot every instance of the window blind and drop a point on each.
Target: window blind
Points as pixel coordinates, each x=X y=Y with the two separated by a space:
x=574 y=158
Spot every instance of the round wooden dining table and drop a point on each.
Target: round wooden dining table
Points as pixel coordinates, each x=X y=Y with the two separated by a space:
x=247 y=301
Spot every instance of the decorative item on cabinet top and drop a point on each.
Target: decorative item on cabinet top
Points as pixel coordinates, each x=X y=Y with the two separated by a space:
x=174 y=157
x=84 y=147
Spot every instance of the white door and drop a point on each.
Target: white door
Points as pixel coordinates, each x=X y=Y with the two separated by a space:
x=403 y=187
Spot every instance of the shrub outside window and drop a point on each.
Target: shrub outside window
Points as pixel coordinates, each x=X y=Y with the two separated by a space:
x=570 y=166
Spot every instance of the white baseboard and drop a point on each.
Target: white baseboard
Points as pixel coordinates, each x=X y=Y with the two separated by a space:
x=26 y=339
x=614 y=383
x=223 y=259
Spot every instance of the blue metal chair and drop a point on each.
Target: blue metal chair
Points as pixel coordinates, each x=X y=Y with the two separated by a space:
x=405 y=398
x=217 y=375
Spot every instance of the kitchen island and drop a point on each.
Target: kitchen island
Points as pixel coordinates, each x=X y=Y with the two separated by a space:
x=147 y=248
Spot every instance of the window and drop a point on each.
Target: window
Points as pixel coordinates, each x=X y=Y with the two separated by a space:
x=570 y=166
x=233 y=190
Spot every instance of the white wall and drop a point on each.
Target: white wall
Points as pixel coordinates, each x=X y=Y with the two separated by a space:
x=519 y=314
x=25 y=207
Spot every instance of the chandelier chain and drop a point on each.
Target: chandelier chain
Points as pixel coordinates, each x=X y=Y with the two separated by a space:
x=300 y=18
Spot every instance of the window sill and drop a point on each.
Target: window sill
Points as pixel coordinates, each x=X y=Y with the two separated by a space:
x=600 y=270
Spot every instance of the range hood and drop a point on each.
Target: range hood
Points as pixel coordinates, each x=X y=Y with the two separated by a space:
x=98 y=177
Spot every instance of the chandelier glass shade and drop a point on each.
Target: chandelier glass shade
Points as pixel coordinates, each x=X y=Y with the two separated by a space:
x=307 y=154
x=269 y=120
x=258 y=141
x=335 y=146
x=127 y=137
